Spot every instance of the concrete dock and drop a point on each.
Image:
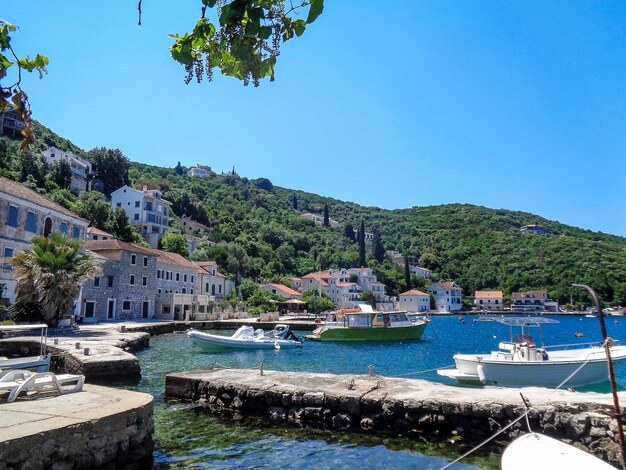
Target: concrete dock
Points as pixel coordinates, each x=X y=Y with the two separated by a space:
x=407 y=406
x=97 y=428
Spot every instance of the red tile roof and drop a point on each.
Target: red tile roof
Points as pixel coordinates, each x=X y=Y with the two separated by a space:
x=447 y=285
x=97 y=231
x=113 y=245
x=531 y=294
x=413 y=292
x=488 y=294
x=172 y=258
x=284 y=288
x=20 y=191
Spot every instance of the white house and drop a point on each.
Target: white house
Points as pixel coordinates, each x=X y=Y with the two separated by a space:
x=212 y=282
x=146 y=210
x=414 y=301
x=533 y=301
x=421 y=272
x=535 y=229
x=200 y=170
x=94 y=233
x=81 y=168
x=319 y=220
x=25 y=213
x=282 y=290
x=447 y=296
x=488 y=300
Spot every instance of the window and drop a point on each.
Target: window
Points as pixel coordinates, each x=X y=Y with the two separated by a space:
x=191 y=291
x=133 y=259
x=8 y=253
x=119 y=204
x=76 y=232
x=110 y=281
x=206 y=287
x=145 y=261
x=192 y=278
x=185 y=278
x=63 y=228
x=136 y=217
x=132 y=279
x=219 y=290
x=137 y=203
x=177 y=277
x=31 y=222
x=158 y=291
x=184 y=290
x=96 y=281
x=144 y=281
x=12 y=218
x=126 y=305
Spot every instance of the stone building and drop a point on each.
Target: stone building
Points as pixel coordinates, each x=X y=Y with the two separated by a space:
x=25 y=213
x=126 y=289
x=213 y=283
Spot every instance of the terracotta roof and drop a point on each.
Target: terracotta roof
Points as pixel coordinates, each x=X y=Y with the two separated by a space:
x=534 y=294
x=488 y=294
x=113 y=244
x=172 y=258
x=318 y=275
x=413 y=292
x=97 y=231
x=447 y=285
x=284 y=288
x=22 y=192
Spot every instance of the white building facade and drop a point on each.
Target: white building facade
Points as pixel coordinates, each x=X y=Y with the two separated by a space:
x=81 y=168
x=414 y=301
x=447 y=296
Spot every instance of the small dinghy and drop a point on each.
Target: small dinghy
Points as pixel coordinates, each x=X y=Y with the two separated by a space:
x=246 y=337
x=538 y=451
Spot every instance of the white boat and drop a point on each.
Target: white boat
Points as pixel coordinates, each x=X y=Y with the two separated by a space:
x=520 y=362
x=614 y=311
x=537 y=451
x=246 y=337
x=41 y=362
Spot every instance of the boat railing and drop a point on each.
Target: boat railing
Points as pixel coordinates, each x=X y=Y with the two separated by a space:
x=592 y=343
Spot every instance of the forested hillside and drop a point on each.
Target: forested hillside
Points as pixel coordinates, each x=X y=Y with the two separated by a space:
x=261 y=235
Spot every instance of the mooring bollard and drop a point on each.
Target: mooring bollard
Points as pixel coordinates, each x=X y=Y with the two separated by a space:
x=123 y=329
x=371 y=370
x=86 y=351
x=56 y=341
x=77 y=345
x=261 y=369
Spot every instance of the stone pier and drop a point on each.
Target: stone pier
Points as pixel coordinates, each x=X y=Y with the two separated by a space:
x=97 y=428
x=395 y=405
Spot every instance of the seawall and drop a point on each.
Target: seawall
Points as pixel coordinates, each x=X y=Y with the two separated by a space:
x=407 y=406
x=97 y=428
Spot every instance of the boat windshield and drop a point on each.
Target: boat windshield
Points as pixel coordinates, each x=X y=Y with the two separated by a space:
x=358 y=320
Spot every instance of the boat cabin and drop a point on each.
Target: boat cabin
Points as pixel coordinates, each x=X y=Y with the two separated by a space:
x=375 y=320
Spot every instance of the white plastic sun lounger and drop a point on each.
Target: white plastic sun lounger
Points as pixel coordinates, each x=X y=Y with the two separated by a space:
x=18 y=381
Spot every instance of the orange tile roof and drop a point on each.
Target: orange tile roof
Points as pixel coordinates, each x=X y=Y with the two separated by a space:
x=172 y=258
x=536 y=294
x=447 y=285
x=488 y=294
x=413 y=292
x=97 y=231
x=284 y=288
x=113 y=244
x=22 y=192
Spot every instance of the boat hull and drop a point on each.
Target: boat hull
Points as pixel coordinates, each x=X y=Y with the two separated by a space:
x=551 y=373
x=211 y=343
x=398 y=333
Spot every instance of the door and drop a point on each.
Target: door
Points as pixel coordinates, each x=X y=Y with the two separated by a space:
x=110 y=309
x=90 y=309
x=145 y=307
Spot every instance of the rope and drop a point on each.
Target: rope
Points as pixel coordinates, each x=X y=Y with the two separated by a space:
x=516 y=420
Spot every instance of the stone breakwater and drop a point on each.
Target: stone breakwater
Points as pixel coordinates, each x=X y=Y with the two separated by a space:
x=394 y=405
x=97 y=428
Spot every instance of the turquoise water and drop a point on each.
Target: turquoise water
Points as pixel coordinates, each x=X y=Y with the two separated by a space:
x=190 y=438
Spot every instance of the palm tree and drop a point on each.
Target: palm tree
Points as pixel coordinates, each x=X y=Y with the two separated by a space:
x=51 y=273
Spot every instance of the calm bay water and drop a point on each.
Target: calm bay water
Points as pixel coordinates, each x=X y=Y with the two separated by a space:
x=190 y=438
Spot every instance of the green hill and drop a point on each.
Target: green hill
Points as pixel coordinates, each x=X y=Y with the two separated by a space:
x=478 y=247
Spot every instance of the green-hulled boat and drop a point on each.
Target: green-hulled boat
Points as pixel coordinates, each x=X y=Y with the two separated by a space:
x=370 y=326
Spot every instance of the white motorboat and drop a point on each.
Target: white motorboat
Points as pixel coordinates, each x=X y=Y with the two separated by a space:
x=538 y=451
x=520 y=362
x=246 y=337
x=41 y=362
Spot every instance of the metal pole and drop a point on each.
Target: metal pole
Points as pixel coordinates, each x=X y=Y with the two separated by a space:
x=618 y=410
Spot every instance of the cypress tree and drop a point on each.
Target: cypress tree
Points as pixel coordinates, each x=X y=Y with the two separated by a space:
x=407 y=273
x=378 y=249
x=294 y=202
x=362 y=244
x=326 y=221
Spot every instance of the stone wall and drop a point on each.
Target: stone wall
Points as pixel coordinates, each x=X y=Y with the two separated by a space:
x=410 y=407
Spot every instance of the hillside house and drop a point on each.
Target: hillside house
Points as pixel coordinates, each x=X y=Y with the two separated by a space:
x=488 y=300
x=447 y=296
x=94 y=233
x=282 y=290
x=11 y=123
x=414 y=301
x=146 y=210
x=534 y=229
x=533 y=301
x=201 y=170
x=81 y=168
x=212 y=282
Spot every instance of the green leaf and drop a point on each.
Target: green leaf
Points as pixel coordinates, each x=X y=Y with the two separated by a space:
x=265 y=32
x=317 y=7
x=299 y=26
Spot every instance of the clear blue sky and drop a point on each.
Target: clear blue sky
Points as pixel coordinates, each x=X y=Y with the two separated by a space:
x=507 y=104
